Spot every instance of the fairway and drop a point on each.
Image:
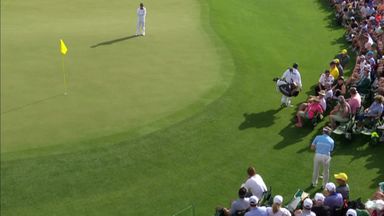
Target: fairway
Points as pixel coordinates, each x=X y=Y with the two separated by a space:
x=154 y=124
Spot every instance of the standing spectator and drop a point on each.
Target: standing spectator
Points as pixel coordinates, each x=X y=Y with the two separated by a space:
x=276 y=209
x=291 y=76
x=241 y=204
x=319 y=208
x=343 y=187
x=354 y=101
x=325 y=79
x=255 y=184
x=141 y=14
x=255 y=209
x=323 y=146
x=343 y=55
x=333 y=199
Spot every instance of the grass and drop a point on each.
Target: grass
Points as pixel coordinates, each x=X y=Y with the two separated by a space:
x=202 y=159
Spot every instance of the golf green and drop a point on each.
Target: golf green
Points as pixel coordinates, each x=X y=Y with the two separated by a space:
x=195 y=152
x=116 y=82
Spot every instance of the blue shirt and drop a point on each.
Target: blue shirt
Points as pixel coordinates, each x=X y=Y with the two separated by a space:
x=375 y=109
x=323 y=144
x=258 y=211
x=334 y=200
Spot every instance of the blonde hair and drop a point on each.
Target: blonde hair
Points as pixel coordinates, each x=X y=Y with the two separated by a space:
x=275 y=208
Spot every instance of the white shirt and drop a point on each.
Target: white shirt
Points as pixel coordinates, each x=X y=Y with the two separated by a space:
x=323 y=103
x=324 y=80
x=293 y=76
x=141 y=13
x=281 y=212
x=256 y=186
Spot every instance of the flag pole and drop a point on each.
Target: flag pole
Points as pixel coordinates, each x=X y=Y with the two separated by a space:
x=64 y=76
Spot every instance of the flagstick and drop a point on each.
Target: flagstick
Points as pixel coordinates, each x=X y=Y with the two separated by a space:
x=65 y=77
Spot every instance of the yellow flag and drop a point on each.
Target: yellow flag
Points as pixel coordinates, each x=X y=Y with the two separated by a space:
x=63 y=48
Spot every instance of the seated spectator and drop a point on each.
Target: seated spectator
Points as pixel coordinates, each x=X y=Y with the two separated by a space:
x=354 y=101
x=339 y=67
x=333 y=69
x=307 y=206
x=339 y=88
x=241 y=204
x=276 y=209
x=255 y=209
x=255 y=184
x=372 y=113
x=363 y=85
x=343 y=55
x=312 y=110
x=325 y=79
x=343 y=187
x=341 y=113
x=332 y=199
x=319 y=208
x=379 y=194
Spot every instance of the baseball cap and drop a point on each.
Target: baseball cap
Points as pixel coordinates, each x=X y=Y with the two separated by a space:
x=341 y=176
x=308 y=203
x=336 y=61
x=381 y=185
x=253 y=200
x=344 y=51
x=351 y=212
x=330 y=186
x=319 y=197
x=278 y=199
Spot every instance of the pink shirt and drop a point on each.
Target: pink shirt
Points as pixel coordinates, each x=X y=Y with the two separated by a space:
x=355 y=103
x=314 y=108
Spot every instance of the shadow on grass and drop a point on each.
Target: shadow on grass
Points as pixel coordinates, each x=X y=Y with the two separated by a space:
x=259 y=120
x=114 y=41
x=30 y=104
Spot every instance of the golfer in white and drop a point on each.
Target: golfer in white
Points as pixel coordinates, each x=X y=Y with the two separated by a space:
x=323 y=146
x=141 y=13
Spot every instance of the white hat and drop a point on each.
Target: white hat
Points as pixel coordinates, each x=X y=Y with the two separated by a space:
x=319 y=197
x=253 y=200
x=330 y=186
x=278 y=199
x=308 y=203
x=351 y=212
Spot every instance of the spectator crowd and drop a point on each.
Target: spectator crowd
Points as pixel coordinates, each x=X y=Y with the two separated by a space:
x=356 y=97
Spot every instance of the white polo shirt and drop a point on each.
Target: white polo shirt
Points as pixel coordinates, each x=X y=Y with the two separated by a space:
x=256 y=186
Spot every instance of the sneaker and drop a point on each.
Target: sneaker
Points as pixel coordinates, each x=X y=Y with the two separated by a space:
x=143 y=34
x=321 y=177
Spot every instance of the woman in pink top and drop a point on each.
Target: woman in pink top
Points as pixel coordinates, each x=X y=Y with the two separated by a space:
x=312 y=110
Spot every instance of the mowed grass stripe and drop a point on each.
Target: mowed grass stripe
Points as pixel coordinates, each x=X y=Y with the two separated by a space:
x=202 y=160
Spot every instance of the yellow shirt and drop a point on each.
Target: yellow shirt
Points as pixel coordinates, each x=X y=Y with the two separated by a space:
x=334 y=72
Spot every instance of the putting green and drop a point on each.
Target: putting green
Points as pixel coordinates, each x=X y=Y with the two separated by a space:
x=116 y=83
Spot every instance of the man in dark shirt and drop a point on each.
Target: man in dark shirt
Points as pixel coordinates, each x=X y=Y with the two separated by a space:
x=333 y=199
x=343 y=187
x=318 y=206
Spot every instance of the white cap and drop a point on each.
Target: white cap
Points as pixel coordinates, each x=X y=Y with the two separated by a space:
x=308 y=203
x=253 y=200
x=278 y=199
x=351 y=212
x=330 y=187
x=319 y=197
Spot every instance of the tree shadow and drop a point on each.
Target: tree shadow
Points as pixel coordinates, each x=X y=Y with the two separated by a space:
x=291 y=135
x=259 y=120
x=114 y=41
x=30 y=104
